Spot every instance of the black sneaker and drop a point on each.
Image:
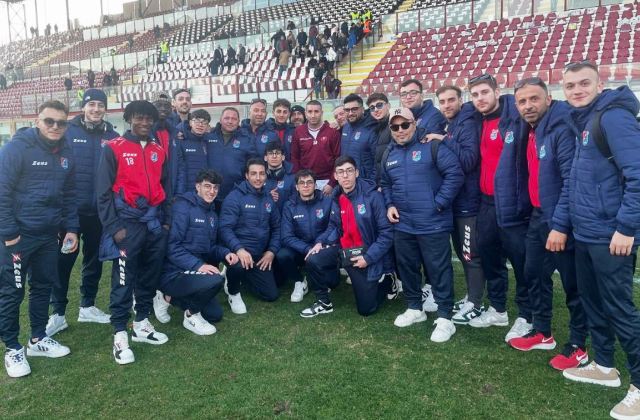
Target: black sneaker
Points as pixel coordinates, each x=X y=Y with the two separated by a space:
x=393 y=289
x=318 y=308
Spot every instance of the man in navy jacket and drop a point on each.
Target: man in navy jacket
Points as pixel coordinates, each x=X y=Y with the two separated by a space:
x=165 y=133
x=280 y=124
x=418 y=190
x=85 y=136
x=307 y=241
x=257 y=127
x=250 y=227
x=191 y=150
x=37 y=186
x=424 y=113
x=191 y=279
x=550 y=150
x=359 y=137
x=604 y=203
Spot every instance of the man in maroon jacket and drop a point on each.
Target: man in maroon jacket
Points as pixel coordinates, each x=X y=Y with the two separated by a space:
x=316 y=146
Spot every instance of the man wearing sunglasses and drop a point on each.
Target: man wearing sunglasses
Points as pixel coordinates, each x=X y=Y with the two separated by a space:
x=418 y=190
x=257 y=127
x=359 y=137
x=37 y=185
x=550 y=151
x=191 y=151
x=604 y=197
x=424 y=113
x=505 y=208
x=132 y=186
x=309 y=243
x=86 y=136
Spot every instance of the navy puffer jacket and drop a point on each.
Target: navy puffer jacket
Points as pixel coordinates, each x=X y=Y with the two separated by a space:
x=306 y=223
x=191 y=157
x=285 y=183
x=429 y=118
x=360 y=141
x=263 y=135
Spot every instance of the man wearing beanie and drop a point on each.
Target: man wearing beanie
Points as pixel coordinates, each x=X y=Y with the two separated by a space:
x=297 y=117
x=85 y=137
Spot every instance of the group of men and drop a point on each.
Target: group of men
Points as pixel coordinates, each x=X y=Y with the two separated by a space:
x=287 y=201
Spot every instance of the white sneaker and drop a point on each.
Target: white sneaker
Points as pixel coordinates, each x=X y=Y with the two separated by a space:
x=443 y=331
x=489 y=318
x=237 y=304
x=161 y=308
x=144 y=332
x=56 y=324
x=121 y=351
x=459 y=304
x=343 y=272
x=409 y=317
x=197 y=324
x=93 y=314
x=47 y=347
x=520 y=327
x=16 y=363
x=428 y=302
x=299 y=290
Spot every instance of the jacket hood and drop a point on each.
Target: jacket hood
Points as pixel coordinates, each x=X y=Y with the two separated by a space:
x=558 y=114
x=467 y=112
x=194 y=199
x=295 y=198
x=185 y=128
x=367 y=121
x=621 y=97
x=271 y=123
x=422 y=109
x=31 y=137
x=246 y=188
x=508 y=110
x=363 y=186
x=77 y=121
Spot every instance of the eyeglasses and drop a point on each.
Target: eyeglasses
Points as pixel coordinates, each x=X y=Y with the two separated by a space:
x=481 y=78
x=259 y=100
x=379 y=105
x=50 y=122
x=351 y=110
x=274 y=153
x=199 y=121
x=405 y=126
x=583 y=63
x=307 y=183
x=410 y=93
x=533 y=81
x=345 y=172
x=210 y=187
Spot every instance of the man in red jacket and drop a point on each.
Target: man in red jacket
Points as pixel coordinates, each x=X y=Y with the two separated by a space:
x=316 y=146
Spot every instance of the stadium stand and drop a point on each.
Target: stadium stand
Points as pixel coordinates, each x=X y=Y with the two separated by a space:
x=27 y=52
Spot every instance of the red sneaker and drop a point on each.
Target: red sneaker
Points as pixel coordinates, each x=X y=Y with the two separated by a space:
x=572 y=356
x=533 y=340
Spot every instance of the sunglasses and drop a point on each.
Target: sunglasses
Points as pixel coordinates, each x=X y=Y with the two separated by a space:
x=481 y=78
x=405 y=126
x=533 y=81
x=379 y=105
x=583 y=63
x=50 y=122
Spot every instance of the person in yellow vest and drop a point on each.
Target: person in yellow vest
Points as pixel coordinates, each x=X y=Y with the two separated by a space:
x=164 y=50
x=355 y=16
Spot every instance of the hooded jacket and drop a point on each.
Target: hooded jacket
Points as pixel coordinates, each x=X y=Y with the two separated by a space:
x=287 y=135
x=191 y=157
x=605 y=197
x=37 y=186
x=284 y=181
x=429 y=118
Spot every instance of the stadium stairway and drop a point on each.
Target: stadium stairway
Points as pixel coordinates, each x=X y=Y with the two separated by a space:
x=361 y=67
x=405 y=5
x=51 y=56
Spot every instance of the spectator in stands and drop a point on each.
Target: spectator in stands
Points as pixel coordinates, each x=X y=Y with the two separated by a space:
x=156 y=32
x=425 y=114
x=91 y=78
x=302 y=37
x=604 y=199
x=182 y=105
x=313 y=36
x=38 y=200
x=166 y=28
x=359 y=136
x=283 y=62
x=80 y=94
x=316 y=146
x=130 y=42
x=291 y=26
x=3 y=82
x=106 y=82
x=340 y=117
x=250 y=227
x=47 y=30
x=164 y=51
x=297 y=116
x=191 y=279
x=217 y=61
x=231 y=57
x=68 y=83
x=275 y=39
x=115 y=78
x=355 y=17
x=291 y=41
x=312 y=63
x=344 y=28
x=228 y=149
x=331 y=58
x=327 y=32
x=352 y=41
x=280 y=124
x=318 y=75
x=256 y=125
x=85 y=136
x=55 y=28
x=242 y=55
x=133 y=208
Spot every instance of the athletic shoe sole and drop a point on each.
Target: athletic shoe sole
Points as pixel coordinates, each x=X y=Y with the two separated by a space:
x=37 y=353
x=415 y=321
x=193 y=329
x=94 y=321
x=612 y=383
x=148 y=341
x=540 y=346
x=124 y=361
x=493 y=324
x=326 y=311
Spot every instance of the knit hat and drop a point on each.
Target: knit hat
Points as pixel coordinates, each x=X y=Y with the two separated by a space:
x=94 y=95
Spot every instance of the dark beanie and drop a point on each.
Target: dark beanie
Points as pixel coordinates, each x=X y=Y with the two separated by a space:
x=94 y=95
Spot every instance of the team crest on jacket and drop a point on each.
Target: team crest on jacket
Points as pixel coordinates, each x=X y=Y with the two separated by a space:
x=585 y=137
x=416 y=155
x=494 y=134
x=289 y=138
x=267 y=207
x=508 y=138
x=319 y=213
x=211 y=221
x=236 y=144
x=154 y=157
x=280 y=185
x=264 y=138
x=357 y=136
x=543 y=152
x=64 y=162
x=362 y=209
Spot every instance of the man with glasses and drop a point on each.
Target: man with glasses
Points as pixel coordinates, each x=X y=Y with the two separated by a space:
x=505 y=208
x=419 y=188
x=257 y=127
x=550 y=150
x=85 y=136
x=132 y=187
x=37 y=184
x=310 y=244
x=365 y=236
x=191 y=156
x=250 y=228
x=358 y=136
x=228 y=150
x=280 y=179
x=280 y=124
x=604 y=201
x=316 y=146
x=424 y=113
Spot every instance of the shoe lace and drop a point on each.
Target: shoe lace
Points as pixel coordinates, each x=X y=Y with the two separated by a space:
x=569 y=350
x=631 y=398
x=17 y=357
x=48 y=342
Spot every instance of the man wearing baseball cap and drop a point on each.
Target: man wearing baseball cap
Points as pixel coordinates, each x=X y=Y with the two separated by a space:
x=419 y=183
x=85 y=136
